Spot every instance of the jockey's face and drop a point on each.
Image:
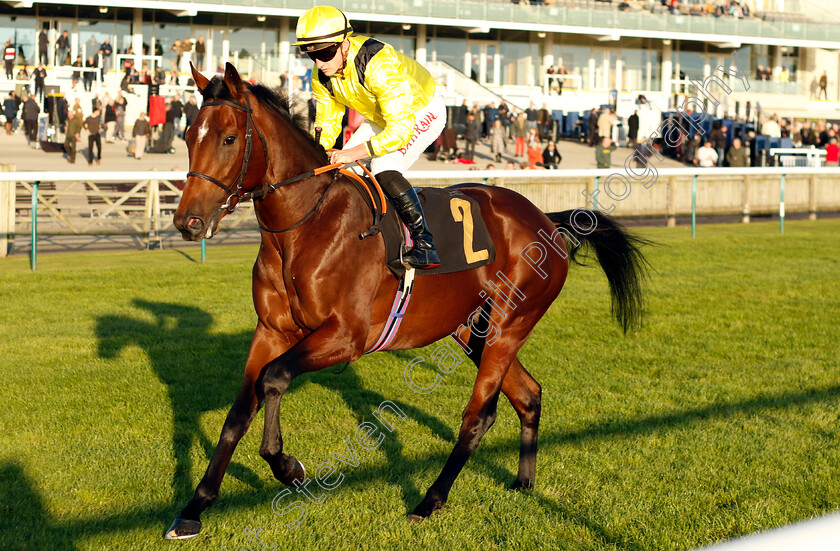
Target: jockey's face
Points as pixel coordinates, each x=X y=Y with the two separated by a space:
x=334 y=65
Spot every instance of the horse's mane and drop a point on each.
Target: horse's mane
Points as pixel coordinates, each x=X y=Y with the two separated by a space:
x=275 y=99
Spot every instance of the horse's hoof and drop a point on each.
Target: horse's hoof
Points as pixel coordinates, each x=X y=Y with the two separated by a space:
x=182 y=529
x=298 y=473
x=415 y=518
x=522 y=486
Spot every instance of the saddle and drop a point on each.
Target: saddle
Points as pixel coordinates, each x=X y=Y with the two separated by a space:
x=461 y=237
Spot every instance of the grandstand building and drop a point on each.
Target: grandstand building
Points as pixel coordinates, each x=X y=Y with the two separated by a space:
x=612 y=51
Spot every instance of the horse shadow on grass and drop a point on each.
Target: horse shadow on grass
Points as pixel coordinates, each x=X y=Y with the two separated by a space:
x=202 y=372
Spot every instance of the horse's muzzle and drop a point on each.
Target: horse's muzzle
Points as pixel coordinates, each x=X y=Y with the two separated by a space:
x=192 y=228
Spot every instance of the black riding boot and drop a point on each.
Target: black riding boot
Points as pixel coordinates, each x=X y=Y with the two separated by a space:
x=422 y=255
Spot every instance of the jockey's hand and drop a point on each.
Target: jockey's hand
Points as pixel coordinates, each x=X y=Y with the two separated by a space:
x=349 y=155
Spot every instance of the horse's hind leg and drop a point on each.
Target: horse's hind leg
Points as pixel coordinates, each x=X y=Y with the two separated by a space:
x=478 y=416
x=525 y=395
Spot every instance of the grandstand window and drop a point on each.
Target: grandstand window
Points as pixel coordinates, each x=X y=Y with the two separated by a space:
x=449 y=50
x=574 y=58
x=22 y=31
x=123 y=33
x=166 y=34
x=515 y=62
x=405 y=44
x=688 y=65
x=92 y=34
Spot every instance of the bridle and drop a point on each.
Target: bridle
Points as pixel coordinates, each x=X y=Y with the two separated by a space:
x=235 y=191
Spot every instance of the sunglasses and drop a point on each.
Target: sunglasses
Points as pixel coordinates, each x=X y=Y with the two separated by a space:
x=324 y=54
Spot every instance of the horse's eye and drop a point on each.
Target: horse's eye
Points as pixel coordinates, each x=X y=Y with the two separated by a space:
x=229 y=140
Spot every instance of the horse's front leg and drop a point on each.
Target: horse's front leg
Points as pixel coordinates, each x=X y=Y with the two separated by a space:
x=333 y=342
x=265 y=346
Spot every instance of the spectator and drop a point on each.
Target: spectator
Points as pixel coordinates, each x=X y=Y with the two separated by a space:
x=706 y=156
x=504 y=116
x=63 y=47
x=510 y=165
x=784 y=75
x=87 y=78
x=72 y=137
x=177 y=48
x=76 y=74
x=490 y=116
x=737 y=155
x=200 y=50
x=771 y=128
x=96 y=104
x=490 y=166
x=30 y=119
x=10 y=108
x=561 y=72
x=160 y=76
x=718 y=139
x=520 y=134
x=603 y=154
x=823 y=86
x=140 y=133
x=186 y=54
x=119 y=109
x=632 y=128
x=550 y=156
x=606 y=120
x=9 y=58
x=174 y=78
x=40 y=74
x=544 y=121
x=77 y=108
x=534 y=149
x=191 y=113
x=43 y=47
x=832 y=153
x=176 y=109
x=471 y=136
x=531 y=115
x=124 y=86
x=106 y=50
x=110 y=121
x=641 y=153
x=94 y=138
x=497 y=139
x=593 y=127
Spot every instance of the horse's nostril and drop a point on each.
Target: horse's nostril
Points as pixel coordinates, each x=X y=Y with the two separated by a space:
x=194 y=223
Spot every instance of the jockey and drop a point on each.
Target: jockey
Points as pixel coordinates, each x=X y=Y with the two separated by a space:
x=394 y=93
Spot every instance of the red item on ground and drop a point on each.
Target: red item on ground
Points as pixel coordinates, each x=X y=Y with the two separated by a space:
x=832 y=153
x=157 y=110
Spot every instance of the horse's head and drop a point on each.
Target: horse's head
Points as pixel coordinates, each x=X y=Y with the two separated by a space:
x=227 y=154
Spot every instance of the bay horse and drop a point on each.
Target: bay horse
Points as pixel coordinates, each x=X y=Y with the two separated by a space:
x=323 y=295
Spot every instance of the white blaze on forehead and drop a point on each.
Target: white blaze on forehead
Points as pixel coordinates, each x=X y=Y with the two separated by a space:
x=202 y=130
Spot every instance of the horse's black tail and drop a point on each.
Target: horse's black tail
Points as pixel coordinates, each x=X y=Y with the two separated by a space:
x=618 y=252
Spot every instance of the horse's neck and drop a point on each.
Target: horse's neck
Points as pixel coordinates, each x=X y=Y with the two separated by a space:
x=291 y=203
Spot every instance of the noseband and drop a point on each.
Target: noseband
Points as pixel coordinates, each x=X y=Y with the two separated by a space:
x=235 y=191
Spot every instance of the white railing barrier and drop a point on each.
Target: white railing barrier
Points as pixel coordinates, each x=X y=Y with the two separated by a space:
x=723 y=191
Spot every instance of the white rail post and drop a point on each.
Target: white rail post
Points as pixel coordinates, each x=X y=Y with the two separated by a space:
x=7 y=212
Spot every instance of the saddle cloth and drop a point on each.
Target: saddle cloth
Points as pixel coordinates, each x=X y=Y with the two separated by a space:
x=461 y=237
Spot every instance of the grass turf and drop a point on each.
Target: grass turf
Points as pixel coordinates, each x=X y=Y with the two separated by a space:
x=718 y=418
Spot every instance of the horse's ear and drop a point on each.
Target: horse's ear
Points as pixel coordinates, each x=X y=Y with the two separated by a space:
x=233 y=80
x=200 y=80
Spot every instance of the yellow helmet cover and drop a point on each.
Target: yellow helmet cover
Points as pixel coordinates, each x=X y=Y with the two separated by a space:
x=321 y=25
